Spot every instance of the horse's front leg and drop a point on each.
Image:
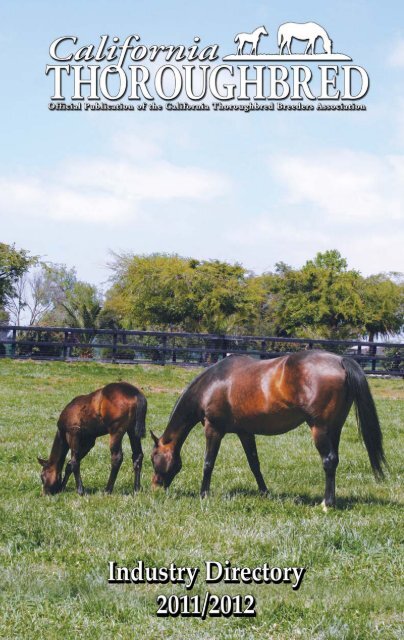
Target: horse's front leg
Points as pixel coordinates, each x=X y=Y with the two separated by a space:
x=79 y=450
x=68 y=472
x=213 y=440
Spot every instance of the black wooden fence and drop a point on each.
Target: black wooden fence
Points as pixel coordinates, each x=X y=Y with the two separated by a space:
x=186 y=349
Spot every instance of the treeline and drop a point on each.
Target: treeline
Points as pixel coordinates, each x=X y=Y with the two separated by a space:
x=322 y=299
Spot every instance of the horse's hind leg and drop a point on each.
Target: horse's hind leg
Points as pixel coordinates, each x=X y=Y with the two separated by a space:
x=115 y=447
x=326 y=440
x=213 y=440
x=137 y=457
x=250 y=448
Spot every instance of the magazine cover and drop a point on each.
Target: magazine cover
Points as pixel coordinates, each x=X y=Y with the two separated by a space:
x=201 y=247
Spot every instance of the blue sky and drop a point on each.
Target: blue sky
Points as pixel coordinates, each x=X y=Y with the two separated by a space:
x=255 y=188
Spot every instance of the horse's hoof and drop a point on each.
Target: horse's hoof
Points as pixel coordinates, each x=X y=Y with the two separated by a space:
x=325 y=506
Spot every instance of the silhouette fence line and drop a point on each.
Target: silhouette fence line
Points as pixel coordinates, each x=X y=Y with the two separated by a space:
x=180 y=348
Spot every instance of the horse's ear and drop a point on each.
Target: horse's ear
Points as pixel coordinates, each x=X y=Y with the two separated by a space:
x=155 y=438
x=42 y=462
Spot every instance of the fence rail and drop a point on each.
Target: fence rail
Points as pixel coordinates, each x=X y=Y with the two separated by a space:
x=186 y=349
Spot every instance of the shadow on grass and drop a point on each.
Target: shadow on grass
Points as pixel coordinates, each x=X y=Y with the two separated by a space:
x=343 y=503
x=100 y=491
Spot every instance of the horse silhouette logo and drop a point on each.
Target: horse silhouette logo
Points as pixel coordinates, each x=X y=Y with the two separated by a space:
x=309 y=31
x=252 y=38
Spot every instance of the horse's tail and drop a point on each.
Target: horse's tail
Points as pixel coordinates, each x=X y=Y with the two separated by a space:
x=366 y=415
x=237 y=38
x=141 y=410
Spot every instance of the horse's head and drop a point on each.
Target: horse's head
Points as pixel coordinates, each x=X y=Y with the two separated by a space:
x=264 y=32
x=51 y=478
x=328 y=45
x=166 y=462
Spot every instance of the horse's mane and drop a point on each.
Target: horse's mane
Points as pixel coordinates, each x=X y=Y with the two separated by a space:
x=185 y=392
x=208 y=373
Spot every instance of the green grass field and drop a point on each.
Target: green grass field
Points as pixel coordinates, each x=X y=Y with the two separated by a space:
x=55 y=550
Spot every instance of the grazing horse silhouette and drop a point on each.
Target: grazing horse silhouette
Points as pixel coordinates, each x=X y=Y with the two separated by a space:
x=309 y=31
x=248 y=397
x=116 y=409
x=253 y=38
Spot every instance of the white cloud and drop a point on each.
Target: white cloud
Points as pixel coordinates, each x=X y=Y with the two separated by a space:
x=282 y=235
x=396 y=58
x=108 y=189
x=350 y=201
x=275 y=229
x=277 y=236
x=344 y=184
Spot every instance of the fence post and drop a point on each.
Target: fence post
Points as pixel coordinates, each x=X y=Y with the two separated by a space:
x=263 y=349
x=114 y=342
x=374 y=357
x=224 y=347
x=202 y=355
x=164 y=351
x=357 y=357
x=65 y=345
x=14 y=343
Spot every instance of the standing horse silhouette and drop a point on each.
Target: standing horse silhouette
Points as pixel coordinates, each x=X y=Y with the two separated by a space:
x=248 y=397
x=253 y=38
x=116 y=409
x=309 y=31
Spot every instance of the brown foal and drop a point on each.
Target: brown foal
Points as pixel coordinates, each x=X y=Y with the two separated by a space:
x=116 y=409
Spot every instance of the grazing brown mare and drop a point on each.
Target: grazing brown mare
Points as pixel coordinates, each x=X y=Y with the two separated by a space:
x=116 y=409
x=248 y=397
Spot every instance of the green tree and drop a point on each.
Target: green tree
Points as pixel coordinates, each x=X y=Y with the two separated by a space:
x=226 y=296
x=150 y=291
x=82 y=306
x=60 y=299
x=13 y=264
x=162 y=291
x=322 y=299
x=38 y=293
x=384 y=305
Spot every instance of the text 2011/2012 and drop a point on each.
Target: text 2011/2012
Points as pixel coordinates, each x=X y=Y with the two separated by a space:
x=210 y=605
